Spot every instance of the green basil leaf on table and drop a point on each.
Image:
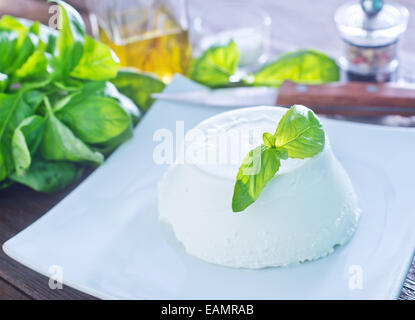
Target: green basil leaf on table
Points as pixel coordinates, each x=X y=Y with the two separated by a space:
x=98 y=62
x=95 y=119
x=258 y=167
x=109 y=146
x=49 y=176
x=60 y=143
x=138 y=86
x=13 y=110
x=216 y=65
x=300 y=133
x=129 y=106
x=25 y=141
x=108 y=89
x=70 y=42
x=302 y=66
x=125 y=102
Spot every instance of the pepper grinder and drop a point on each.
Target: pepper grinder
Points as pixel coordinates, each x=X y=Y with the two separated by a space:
x=370 y=31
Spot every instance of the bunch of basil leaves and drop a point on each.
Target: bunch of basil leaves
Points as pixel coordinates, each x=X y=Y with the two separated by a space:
x=58 y=110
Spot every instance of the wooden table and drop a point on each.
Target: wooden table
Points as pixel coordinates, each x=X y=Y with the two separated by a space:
x=296 y=23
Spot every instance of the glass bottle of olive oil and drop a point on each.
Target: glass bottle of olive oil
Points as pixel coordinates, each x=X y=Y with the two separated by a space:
x=150 y=35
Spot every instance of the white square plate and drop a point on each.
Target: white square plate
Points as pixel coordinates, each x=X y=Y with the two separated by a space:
x=106 y=237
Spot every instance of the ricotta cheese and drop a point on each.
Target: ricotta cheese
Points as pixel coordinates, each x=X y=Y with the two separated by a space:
x=307 y=209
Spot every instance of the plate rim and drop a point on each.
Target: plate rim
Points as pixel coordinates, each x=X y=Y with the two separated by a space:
x=14 y=255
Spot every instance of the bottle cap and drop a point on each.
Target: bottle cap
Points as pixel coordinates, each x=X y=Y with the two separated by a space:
x=371 y=23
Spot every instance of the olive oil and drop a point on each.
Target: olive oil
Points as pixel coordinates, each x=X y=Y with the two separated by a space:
x=162 y=50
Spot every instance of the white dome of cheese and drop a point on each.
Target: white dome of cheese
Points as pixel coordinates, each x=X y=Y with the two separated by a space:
x=303 y=212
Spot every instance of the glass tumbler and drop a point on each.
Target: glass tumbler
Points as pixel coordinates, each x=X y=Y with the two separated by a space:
x=242 y=21
x=149 y=35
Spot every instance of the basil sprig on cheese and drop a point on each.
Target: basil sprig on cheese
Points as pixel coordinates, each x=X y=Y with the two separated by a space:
x=299 y=135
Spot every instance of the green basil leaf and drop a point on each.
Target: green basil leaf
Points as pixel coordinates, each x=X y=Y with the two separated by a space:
x=48 y=176
x=70 y=42
x=34 y=84
x=96 y=88
x=60 y=102
x=8 y=45
x=6 y=161
x=282 y=153
x=20 y=25
x=302 y=66
x=24 y=51
x=48 y=36
x=32 y=97
x=25 y=140
x=69 y=84
x=126 y=103
x=269 y=139
x=95 y=119
x=14 y=108
x=21 y=153
x=60 y=143
x=138 y=87
x=215 y=66
x=98 y=62
x=35 y=67
x=109 y=146
x=4 y=82
x=107 y=89
x=300 y=133
x=11 y=23
x=26 y=43
x=257 y=169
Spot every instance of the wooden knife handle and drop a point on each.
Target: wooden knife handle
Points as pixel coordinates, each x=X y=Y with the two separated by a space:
x=351 y=98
